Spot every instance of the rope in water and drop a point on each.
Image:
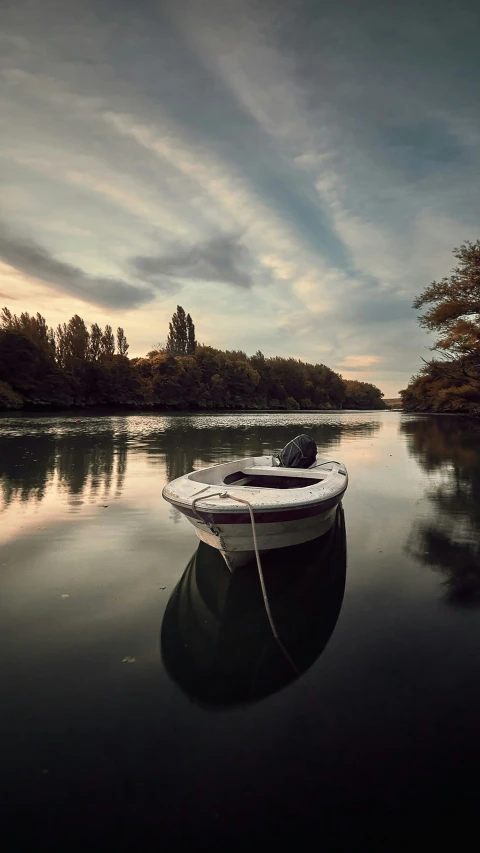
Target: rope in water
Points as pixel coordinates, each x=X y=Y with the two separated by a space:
x=259 y=566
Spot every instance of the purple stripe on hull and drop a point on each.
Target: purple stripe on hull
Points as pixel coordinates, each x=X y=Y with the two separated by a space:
x=266 y=517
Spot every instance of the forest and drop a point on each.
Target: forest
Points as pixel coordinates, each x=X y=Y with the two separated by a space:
x=73 y=366
x=450 y=381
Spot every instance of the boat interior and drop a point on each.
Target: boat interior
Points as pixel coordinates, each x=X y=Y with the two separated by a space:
x=266 y=481
x=257 y=474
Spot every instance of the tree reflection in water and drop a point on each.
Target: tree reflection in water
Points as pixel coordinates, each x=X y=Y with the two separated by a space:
x=81 y=464
x=90 y=462
x=449 y=542
x=187 y=446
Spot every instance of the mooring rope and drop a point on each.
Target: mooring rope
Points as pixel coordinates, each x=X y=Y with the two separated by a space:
x=259 y=565
x=204 y=498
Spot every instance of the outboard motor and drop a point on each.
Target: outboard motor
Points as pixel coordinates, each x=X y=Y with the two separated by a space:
x=301 y=452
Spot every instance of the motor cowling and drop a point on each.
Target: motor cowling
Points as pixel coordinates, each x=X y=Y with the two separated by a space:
x=301 y=452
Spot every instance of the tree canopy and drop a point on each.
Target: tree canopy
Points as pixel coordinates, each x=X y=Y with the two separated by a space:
x=451 y=382
x=76 y=366
x=181 y=334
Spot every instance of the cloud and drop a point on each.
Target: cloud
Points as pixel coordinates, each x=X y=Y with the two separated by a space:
x=331 y=153
x=33 y=260
x=359 y=362
x=222 y=258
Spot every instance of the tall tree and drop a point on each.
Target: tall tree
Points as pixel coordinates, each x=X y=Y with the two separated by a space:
x=72 y=340
x=78 y=339
x=34 y=328
x=95 y=346
x=451 y=383
x=122 y=344
x=454 y=306
x=20 y=360
x=108 y=343
x=6 y=319
x=61 y=346
x=178 y=333
x=191 y=342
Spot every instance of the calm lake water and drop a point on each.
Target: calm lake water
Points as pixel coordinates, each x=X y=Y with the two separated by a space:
x=144 y=697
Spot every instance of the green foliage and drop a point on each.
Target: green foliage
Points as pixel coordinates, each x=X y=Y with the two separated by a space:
x=19 y=360
x=451 y=384
x=95 y=342
x=181 y=335
x=442 y=388
x=177 y=333
x=9 y=399
x=363 y=395
x=72 y=342
x=454 y=303
x=122 y=345
x=191 y=342
x=83 y=370
x=107 y=344
x=34 y=328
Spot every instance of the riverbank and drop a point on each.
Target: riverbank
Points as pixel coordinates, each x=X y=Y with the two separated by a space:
x=100 y=411
x=395 y=403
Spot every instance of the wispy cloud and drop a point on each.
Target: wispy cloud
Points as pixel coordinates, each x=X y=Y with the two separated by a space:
x=222 y=258
x=359 y=362
x=33 y=260
x=332 y=154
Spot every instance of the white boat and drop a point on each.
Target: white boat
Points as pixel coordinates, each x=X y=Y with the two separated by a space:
x=290 y=505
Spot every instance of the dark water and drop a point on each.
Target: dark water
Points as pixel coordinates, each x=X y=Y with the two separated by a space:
x=144 y=699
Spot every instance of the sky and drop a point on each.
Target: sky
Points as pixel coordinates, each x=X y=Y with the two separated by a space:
x=292 y=173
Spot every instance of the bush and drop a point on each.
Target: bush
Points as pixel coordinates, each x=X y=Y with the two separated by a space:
x=8 y=398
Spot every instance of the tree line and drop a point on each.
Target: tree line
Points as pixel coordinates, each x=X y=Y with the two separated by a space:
x=73 y=366
x=450 y=381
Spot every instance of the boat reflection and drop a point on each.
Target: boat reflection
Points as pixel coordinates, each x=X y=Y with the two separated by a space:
x=216 y=642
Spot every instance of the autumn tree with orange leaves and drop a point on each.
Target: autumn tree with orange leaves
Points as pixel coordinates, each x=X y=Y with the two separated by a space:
x=451 y=382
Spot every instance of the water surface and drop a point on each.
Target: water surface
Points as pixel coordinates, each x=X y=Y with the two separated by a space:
x=144 y=696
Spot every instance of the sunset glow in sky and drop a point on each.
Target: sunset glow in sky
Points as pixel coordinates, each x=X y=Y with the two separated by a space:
x=292 y=173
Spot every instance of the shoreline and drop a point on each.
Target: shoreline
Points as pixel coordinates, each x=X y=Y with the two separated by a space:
x=82 y=413
x=130 y=410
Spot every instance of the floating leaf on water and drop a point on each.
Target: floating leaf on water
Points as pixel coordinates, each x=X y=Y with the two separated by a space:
x=128 y=659
x=65 y=595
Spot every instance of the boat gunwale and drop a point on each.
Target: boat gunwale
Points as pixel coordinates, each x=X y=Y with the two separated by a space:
x=278 y=505
x=323 y=504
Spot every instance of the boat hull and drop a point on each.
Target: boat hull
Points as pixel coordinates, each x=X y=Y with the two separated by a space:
x=290 y=506
x=232 y=534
